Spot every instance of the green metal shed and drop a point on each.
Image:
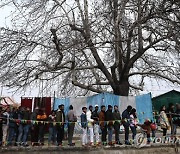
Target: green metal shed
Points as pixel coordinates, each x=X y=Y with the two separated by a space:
x=172 y=96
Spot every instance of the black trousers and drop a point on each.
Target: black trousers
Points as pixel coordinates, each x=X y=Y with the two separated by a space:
x=116 y=129
x=104 y=134
x=164 y=131
x=41 y=133
x=35 y=133
x=60 y=134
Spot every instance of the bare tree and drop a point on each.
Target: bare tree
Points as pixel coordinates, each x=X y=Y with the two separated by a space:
x=97 y=45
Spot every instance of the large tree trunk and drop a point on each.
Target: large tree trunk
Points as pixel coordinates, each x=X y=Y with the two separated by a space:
x=122 y=89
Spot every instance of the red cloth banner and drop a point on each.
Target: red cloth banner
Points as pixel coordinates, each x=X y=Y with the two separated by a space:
x=26 y=102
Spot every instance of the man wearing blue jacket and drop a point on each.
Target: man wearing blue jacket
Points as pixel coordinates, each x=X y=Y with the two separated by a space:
x=84 y=126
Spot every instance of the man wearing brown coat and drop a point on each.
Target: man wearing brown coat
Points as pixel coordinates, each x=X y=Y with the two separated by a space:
x=102 y=123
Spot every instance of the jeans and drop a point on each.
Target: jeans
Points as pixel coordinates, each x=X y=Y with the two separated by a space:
x=133 y=129
x=96 y=132
x=126 y=127
x=153 y=133
x=16 y=132
x=20 y=130
x=52 y=134
x=23 y=133
x=11 y=135
x=173 y=129
x=110 y=133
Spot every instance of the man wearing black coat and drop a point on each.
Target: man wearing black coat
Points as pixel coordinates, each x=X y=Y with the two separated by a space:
x=126 y=123
x=60 y=119
x=109 y=119
x=117 y=118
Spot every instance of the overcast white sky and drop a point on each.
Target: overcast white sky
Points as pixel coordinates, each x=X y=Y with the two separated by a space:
x=155 y=87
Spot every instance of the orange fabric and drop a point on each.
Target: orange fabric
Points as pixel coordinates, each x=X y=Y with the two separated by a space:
x=42 y=117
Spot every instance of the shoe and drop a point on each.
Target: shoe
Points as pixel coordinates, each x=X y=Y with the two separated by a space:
x=128 y=143
x=9 y=144
x=3 y=144
x=91 y=144
x=98 y=144
x=34 y=144
x=25 y=145
x=41 y=144
x=72 y=144
x=60 y=145
x=104 y=143
x=110 y=143
x=119 y=143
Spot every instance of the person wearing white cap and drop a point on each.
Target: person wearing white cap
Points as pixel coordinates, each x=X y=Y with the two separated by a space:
x=95 y=117
x=90 y=124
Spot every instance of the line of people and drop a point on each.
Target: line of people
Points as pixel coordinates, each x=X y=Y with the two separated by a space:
x=17 y=123
x=109 y=121
x=169 y=118
x=16 y=132
x=93 y=123
x=106 y=122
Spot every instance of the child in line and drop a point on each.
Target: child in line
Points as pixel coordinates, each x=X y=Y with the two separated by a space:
x=147 y=127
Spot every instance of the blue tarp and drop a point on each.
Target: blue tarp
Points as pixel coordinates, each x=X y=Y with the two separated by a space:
x=111 y=99
x=59 y=101
x=103 y=99
x=95 y=99
x=142 y=103
x=144 y=107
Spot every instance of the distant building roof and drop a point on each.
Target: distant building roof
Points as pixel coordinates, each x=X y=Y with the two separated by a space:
x=172 y=91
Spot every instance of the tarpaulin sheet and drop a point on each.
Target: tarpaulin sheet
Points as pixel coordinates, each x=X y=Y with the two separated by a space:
x=64 y=101
x=144 y=107
x=95 y=99
x=110 y=99
x=142 y=103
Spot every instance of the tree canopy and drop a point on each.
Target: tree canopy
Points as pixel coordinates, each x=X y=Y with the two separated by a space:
x=97 y=45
